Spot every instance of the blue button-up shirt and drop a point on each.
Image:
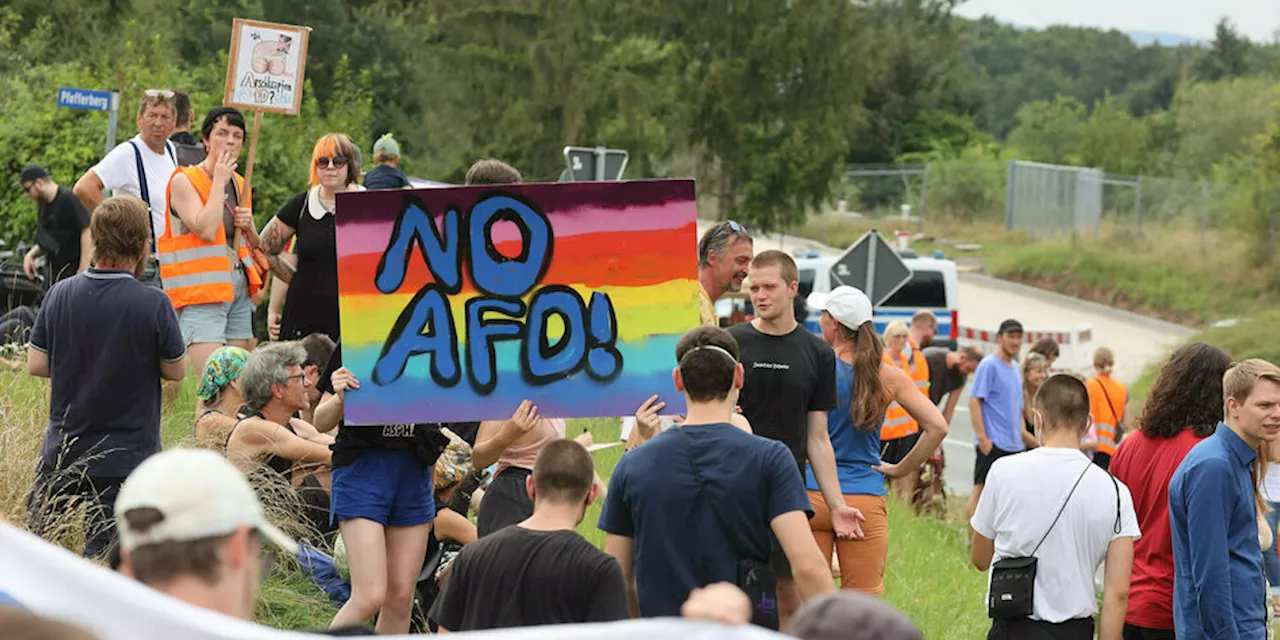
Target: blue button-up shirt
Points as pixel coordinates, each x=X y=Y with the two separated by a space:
x=1218 y=588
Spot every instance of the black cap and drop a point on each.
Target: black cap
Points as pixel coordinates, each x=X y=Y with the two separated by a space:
x=33 y=172
x=1010 y=326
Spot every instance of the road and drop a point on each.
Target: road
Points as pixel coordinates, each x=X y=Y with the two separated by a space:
x=985 y=302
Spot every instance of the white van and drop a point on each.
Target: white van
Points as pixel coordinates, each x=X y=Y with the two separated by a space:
x=934 y=285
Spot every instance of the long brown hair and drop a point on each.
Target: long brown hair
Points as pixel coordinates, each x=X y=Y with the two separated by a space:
x=870 y=396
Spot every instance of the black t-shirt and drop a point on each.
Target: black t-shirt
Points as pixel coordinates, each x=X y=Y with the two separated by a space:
x=942 y=380
x=105 y=334
x=424 y=438
x=59 y=225
x=385 y=176
x=189 y=152
x=786 y=377
x=311 y=305
x=518 y=577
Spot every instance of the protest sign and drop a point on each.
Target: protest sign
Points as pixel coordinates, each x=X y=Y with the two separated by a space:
x=458 y=303
x=266 y=67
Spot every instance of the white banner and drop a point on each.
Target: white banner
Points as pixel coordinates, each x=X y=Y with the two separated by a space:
x=55 y=583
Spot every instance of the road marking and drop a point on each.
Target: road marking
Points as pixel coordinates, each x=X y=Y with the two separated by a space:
x=957 y=443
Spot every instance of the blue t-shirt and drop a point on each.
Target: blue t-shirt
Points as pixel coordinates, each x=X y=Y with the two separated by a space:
x=385 y=176
x=680 y=543
x=105 y=334
x=857 y=450
x=999 y=387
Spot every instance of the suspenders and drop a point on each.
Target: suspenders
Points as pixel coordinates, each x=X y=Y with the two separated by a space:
x=143 y=189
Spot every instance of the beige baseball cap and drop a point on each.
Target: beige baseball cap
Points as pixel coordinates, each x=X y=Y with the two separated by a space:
x=199 y=493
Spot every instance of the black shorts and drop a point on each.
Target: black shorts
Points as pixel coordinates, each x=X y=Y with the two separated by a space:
x=1027 y=629
x=1134 y=632
x=982 y=462
x=894 y=451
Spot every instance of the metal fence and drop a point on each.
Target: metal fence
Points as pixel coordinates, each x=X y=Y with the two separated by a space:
x=1050 y=199
x=884 y=190
x=1045 y=198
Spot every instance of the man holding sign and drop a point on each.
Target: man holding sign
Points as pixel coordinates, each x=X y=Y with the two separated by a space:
x=214 y=299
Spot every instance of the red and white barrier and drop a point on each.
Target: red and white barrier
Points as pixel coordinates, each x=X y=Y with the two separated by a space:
x=1074 y=348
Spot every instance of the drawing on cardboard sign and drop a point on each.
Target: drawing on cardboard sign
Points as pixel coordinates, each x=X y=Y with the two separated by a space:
x=456 y=304
x=267 y=66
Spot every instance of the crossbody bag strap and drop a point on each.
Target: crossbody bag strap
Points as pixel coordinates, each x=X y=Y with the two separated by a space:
x=1064 y=506
x=1110 y=406
x=702 y=484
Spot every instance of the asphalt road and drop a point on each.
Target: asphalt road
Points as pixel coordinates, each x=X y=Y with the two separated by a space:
x=985 y=302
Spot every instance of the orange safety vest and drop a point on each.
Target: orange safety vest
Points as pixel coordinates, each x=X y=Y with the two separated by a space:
x=1107 y=399
x=192 y=270
x=897 y=422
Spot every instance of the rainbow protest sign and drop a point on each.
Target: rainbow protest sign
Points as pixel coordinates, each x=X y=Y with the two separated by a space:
x=458 y=303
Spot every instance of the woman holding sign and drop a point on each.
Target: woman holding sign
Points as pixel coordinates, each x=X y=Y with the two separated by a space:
x=208 y=204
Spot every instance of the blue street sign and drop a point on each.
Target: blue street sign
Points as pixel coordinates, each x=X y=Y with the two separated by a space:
x=84 y=99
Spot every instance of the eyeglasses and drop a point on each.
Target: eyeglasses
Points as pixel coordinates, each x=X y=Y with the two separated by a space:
x=734 y=227
x=28 y=187
x=300 y=376
x=166 y=94
x=336 y=162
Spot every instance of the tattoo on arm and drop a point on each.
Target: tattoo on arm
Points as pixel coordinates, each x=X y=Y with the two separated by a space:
x=273 y=239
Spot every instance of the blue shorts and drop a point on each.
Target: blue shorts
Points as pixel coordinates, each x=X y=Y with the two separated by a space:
x=391 y=488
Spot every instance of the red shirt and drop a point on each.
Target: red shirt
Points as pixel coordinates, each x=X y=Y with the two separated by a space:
x=1145 y=465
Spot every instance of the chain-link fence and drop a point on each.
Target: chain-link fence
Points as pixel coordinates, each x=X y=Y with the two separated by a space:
x=1047 y=199
x=884 y=190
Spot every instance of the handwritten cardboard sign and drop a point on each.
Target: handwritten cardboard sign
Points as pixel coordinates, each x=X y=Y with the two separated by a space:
x=267 y=66
x=458 y=303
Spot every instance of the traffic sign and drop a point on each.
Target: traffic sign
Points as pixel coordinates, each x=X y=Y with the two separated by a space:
x=595 y=163
x=84 y=99
x=92 y=100
x=873 y=266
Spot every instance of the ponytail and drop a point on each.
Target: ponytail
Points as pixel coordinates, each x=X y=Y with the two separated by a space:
x=871 y=398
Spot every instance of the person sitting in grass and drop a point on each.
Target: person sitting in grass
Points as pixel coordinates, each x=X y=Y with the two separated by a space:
x=219 y=393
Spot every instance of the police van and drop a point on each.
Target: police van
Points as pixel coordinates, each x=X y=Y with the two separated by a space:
x=934 y=285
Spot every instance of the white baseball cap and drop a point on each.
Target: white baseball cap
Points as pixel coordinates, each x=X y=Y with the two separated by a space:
x=199 y=493
x=849 y=306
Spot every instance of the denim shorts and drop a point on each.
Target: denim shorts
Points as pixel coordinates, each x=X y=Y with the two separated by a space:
x=218 y=322
x=391 y=488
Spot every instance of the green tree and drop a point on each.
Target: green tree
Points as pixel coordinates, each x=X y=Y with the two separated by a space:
x=1049 y=131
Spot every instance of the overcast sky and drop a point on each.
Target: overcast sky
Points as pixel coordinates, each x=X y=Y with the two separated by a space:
x=1258 y=19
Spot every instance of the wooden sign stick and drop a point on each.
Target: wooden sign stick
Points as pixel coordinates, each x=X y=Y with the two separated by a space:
x=248 y=169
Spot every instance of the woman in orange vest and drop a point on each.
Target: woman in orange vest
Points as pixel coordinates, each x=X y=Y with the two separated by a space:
x=1109 y=404
x=900 y=431
x=213 y=283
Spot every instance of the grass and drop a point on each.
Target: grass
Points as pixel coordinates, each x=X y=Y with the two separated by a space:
x=928 y=575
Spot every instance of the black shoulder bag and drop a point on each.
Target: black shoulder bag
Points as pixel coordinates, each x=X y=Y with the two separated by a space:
x=1013 y=580
x=755 y=577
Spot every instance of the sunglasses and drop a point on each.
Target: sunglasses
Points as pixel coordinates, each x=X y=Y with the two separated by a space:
x=166 y=94
x=734 y=227
x=336 y=162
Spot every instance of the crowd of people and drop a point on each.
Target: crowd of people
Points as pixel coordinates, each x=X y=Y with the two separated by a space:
x=784 y=461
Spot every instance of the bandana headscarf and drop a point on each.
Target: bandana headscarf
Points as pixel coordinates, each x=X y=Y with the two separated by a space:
x=223 y=367
x=454 y=463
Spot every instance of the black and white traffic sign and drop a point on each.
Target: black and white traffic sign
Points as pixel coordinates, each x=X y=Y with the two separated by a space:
x=595 y=163
x=873 y=266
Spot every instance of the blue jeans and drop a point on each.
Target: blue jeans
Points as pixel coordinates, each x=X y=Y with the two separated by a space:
x=1271 y=557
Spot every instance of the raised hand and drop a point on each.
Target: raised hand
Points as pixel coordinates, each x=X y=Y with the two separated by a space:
x=647 y=420
x=520 y=422
x=225 y=167
x=342 y=380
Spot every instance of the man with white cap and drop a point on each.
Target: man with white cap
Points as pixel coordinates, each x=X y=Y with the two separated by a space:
x=192 y=527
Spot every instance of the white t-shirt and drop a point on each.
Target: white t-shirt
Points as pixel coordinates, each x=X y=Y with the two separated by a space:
x=1271 y=482
x=1022 y=495
x=119 y=174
